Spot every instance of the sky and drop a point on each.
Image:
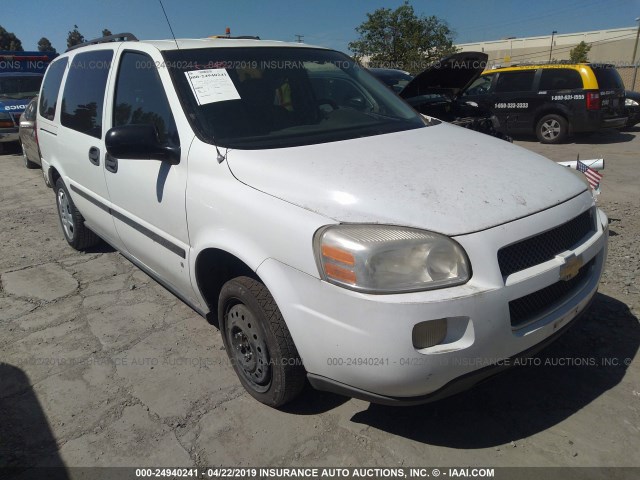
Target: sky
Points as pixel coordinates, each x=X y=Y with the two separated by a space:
x=327 y=23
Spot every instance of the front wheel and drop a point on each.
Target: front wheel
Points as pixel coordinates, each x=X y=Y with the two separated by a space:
x=71 y=220
x=552 y=129
x=258 y=342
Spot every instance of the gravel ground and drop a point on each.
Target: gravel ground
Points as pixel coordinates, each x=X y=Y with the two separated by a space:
x=100 y=366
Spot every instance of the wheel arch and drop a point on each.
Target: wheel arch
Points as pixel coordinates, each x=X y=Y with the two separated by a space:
x=551 y=110
x=213 y=268
x=53 y=176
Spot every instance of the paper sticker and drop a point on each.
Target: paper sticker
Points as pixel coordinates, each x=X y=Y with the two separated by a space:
x=212 y=85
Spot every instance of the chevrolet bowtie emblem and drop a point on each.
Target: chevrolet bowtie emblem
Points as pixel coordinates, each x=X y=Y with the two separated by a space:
x=571 y=267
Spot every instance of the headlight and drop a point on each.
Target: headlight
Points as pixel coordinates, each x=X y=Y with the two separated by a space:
x=629 y=102
x=389 y=259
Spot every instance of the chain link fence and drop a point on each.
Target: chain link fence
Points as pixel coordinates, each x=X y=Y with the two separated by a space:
x=627 y=74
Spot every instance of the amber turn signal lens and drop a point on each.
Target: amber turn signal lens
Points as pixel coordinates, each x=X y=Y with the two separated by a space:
x=339 y=273
x=338 y=255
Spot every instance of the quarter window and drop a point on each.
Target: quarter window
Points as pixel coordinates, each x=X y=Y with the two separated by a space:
x=515 y=81
x=560 y=79
x=83 y=96
x=51 y=88
x=141 y=100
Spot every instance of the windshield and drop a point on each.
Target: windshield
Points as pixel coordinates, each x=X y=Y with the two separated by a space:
x=253 y=98
x=20 y=87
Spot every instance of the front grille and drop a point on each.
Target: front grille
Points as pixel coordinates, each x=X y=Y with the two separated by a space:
x=527 y=308
x=545 y=246
x=16 y=118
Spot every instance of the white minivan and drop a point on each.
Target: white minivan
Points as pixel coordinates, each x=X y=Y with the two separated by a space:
x=337 y=235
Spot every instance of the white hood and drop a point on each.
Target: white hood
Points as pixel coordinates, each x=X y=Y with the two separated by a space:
x=441 y=178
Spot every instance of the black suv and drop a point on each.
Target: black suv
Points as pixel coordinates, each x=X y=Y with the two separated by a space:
x=551 y=100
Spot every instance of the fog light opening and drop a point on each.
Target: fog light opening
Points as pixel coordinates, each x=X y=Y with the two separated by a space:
x=429 y=333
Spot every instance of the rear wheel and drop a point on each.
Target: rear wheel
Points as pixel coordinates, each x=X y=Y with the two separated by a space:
x=27 y=163
x=552 y=129
x=72 y=221
x=258 y=342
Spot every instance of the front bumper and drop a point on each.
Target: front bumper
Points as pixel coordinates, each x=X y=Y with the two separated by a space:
x=457 y=385
x=9 y=135
x=363 y=343
x=634 y=116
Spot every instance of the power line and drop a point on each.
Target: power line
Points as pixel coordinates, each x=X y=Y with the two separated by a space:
x=581 y=10
x=533 y=18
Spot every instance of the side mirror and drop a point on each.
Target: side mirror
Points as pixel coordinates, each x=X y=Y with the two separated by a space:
x=139 y=142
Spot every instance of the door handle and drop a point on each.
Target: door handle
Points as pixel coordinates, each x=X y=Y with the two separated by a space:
x=94 y=156
x=110 y=163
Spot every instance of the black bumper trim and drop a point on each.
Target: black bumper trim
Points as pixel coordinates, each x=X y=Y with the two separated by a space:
x=455 y=386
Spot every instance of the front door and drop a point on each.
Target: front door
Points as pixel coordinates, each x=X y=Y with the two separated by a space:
x=148 y=196
x=513 y=100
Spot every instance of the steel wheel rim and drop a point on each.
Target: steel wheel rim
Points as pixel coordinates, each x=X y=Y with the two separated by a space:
x=248 y=347
x=551 y=129
x=66 y=217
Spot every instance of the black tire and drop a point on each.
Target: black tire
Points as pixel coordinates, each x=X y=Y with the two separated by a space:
x=72 y=221
x=552 y=129
x=27 y=163
x=258 y=342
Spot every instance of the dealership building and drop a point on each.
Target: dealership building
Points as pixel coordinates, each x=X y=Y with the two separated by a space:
x=607 y=46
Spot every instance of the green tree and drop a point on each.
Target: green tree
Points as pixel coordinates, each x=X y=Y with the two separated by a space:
x=8 y=41
x=580 y=54
x=401 y=39
x=44 y=45
x=74 y=37
x=106 y=32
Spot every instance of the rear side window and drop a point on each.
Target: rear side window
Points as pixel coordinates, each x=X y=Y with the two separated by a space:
x=83 y=96
x=560 y=79
x=51 y=88
x=608 y=78
x=140 y=98
x=515 y=81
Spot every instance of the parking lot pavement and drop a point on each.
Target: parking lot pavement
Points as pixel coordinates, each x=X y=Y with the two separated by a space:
x=99 y=365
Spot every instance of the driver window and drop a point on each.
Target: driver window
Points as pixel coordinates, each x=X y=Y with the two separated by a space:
x=140 y=98
x=480 y=86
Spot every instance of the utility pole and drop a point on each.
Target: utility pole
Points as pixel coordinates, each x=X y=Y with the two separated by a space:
x=551 y=47
x=633 y=59
x=299 y=38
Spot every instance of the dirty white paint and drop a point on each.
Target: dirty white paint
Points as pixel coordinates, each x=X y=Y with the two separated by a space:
x=442 y=178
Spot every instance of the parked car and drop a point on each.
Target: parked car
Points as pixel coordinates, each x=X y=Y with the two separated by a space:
x=28 y=135
x=436 y=91
x=336 y=234
x=632 y=107
x=395 y=79
x=552 y=100
x=20 y=78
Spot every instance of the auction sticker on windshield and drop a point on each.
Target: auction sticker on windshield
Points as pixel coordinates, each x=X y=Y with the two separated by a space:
x=212 y=85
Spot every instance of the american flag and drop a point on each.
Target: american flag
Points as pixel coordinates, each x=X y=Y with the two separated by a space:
x=593 y=176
